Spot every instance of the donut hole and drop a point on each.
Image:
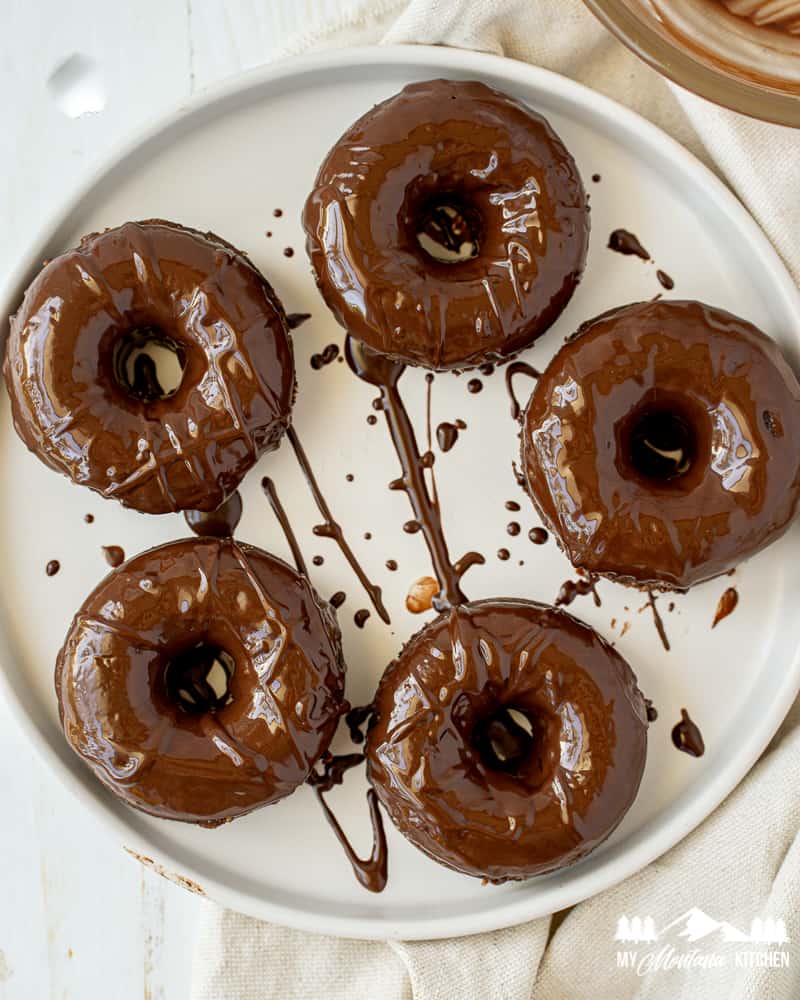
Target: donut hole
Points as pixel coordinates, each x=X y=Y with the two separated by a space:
x=197 y=680
x=664 y=441
x=148 y=364
x=662 y=445
x=448 y=229
x=507 y=739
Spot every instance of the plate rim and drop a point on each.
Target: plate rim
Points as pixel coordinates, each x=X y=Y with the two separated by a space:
x=611 y=868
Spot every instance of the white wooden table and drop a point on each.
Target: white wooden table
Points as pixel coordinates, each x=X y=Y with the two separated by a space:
x=79 y=918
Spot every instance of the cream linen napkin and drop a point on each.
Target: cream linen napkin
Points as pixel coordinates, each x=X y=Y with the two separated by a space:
x=744 y=861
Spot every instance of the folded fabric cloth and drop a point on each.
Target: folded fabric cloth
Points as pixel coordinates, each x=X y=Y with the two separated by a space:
x=744 y=861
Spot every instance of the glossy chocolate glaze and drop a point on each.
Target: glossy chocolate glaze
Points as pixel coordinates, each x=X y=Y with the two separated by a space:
x=566 y=791
x=729 y=384
x=190 y=449
x=220 y=523
x=286 y=690
x=466 y=146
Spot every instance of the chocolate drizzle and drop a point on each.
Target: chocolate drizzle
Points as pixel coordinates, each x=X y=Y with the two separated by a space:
x=268 y=486
x=220 y=523
x=371 y=872
x=517 y=368
x=659 y=621
x=687 y=737
x=727 y=604
x=356 y=718
x=384 y=373
x=331 y=529
x=621 y=241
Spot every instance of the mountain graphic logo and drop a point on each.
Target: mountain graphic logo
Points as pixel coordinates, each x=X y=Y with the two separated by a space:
x=696 y=925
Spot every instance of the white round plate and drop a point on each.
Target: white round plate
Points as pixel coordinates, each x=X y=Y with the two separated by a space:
x=224 y=163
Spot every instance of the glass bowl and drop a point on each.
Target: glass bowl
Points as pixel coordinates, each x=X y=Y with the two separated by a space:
x=742 y=54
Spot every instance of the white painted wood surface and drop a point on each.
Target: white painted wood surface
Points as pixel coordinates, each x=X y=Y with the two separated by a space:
x=79 y=918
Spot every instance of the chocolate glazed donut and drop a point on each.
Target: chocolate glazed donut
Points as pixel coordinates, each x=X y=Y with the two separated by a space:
x=508 y=739
x=660 y=445
x=86 y=399
x=201 y=679
x=448 y=226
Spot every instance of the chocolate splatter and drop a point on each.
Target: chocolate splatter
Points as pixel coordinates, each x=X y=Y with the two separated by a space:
x=621 y=241
x=727 y=604
x=294 y=320
x=52 y=567
x=687 y=737
x=114 y=555
x=538 y=536
x=665 y=280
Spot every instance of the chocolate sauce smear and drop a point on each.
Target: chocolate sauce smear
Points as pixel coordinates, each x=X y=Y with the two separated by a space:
x=331 y=528
x=380 y=371
x=371 y=872
x=294 y=320
x=114 y=555
x=664 y=280
x=687 y=736
x=52 y=567
x=517 y=368
x=271 y=494
x=659 y=621
x=726 y=606
x=621 y=241
x=221 y=523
